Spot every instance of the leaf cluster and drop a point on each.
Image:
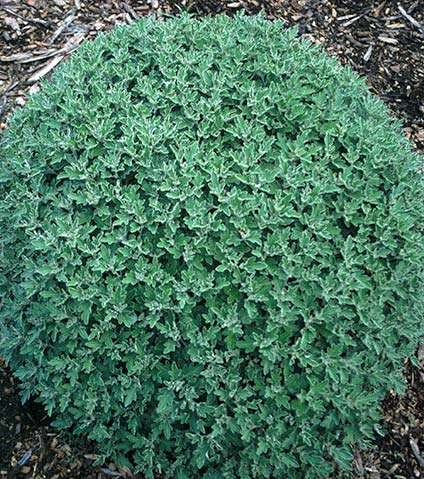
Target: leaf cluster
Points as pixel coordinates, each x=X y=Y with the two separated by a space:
x=210 y=250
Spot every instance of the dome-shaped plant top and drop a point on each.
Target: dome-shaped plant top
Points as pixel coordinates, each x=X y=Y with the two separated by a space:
x=210 y=250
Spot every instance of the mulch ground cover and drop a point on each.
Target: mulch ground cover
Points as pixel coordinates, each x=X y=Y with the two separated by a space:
x=382 y=40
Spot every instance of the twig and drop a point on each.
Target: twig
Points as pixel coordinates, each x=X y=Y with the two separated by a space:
x=353 y=20
x=35 y=21
x=379 y=8
x=28 y=58
x=416 y=451
x=410 y=19
x=24 y=459
x=358 y=462
x=65 y=24
x=3 y=103
x=154 y=4
x=413 y=6
x=130 y=10
x=346 y=17
x=354 y=41
x=108 y=472
x=374 y=473
x=389 y=18
x=389 y=473
x=43 y=444
x=5 y=2
x=43 y=71
x=11 y=87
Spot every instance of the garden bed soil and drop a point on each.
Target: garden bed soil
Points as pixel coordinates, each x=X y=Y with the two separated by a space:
x=382 y=40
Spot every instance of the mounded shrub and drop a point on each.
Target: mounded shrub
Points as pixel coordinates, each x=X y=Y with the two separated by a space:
x=211 y=255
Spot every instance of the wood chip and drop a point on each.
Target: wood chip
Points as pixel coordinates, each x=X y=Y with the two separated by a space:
x=33 y=89
x=368 y=53
x=13 y=24
x=25 y=458
x=393 y=26
x=384 y=39
x=91 y=457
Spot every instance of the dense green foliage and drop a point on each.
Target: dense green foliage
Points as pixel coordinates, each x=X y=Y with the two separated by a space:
x=210 y=250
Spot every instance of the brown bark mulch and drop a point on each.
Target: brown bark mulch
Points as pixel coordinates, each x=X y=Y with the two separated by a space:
x=380 y=39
